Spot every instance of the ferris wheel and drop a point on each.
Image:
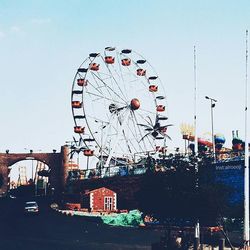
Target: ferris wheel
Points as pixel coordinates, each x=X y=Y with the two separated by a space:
x=119 y=106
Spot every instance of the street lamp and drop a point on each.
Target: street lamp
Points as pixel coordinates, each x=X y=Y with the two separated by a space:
x=32 y=173
x=212 y=101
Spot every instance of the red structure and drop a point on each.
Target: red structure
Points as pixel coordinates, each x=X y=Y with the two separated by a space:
x=126 y=62
x=58 y=164
x=103 y=199
x=109 y=59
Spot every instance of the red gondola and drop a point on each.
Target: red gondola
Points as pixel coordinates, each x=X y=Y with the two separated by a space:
x=153 y=88
x=79 y=129
x=82 y=82
x=88 y=152
x=109 y=59
x=94 y=66
x=160 y=108
x=126 y=62
x=76 y=104
x=141 y=72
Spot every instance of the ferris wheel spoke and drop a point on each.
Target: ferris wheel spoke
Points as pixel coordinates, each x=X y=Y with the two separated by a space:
x=146 y=116
x=108 y=87
x=98 y=88
x=116 y=141
x=121 y=150
x=103 y=97
x=127 y=141
x=120 y=74
x=113 y=128
x=109 y=131
x=135 y=122
x=134 y=133
x=136 y=78
x=148 y=134
x=112 y=76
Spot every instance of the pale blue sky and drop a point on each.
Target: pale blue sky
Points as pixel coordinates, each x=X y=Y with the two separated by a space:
x=42 y=44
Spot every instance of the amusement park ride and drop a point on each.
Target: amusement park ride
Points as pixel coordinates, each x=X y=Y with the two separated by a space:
x=119 y=108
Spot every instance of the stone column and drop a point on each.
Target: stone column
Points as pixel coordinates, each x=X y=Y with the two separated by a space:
x=3 y=174
x=65 y=164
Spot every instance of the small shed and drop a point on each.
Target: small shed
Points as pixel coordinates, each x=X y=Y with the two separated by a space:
x=103 y=199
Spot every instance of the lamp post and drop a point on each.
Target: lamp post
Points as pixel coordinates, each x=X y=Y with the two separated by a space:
x=212 y=101
x=30 y=157
x=246 y=235
x=32 y=173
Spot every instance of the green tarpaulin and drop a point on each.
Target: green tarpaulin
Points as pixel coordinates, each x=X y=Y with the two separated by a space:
x=132 y=219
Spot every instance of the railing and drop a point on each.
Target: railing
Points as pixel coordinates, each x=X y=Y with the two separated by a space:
x=169 y=162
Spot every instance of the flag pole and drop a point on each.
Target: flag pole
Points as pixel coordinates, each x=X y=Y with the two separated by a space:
x=197 y=224
x=246 y=169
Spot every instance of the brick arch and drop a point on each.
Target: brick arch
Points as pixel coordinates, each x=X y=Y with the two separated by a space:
x=57 y=163
x=42 y=157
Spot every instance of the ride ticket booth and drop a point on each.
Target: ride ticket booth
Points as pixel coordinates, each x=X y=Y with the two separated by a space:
x=101 y=200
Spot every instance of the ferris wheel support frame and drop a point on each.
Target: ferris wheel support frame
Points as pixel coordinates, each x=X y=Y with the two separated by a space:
x=116 y=141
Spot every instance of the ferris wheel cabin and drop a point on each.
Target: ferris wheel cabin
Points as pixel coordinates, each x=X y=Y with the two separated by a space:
x=153 y=88
x=141 y=72
x=160 y=108
x=109 y=59
x=94 y=66
x=126 y=62
x=76 y=104
x=82 y=82
x=79 y=129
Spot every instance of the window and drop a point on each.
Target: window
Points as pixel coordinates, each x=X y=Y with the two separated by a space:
x=108 y=203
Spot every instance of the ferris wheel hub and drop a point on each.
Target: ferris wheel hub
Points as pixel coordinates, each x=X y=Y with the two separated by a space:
x=135 y=104
x=113 y=108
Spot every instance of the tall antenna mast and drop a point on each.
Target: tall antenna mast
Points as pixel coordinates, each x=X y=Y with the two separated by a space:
x=246 y=169
x=197 y=224
x=195 y=106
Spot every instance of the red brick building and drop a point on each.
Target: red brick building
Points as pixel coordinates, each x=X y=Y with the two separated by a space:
x=103 y=199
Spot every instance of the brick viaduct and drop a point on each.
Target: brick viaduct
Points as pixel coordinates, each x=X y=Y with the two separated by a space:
x=58 y=164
